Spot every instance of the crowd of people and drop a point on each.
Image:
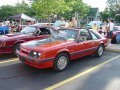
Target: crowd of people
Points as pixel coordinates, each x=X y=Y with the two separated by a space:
x=14 y=25
x=72 y=22
x=106 y=29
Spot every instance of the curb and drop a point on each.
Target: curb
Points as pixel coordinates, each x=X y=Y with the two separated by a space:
x=112 y=50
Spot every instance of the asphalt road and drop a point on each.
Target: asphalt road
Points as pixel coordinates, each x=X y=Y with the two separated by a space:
x=14 y=75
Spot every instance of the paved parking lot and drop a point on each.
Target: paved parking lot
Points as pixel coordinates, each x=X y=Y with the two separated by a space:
x=82 y=74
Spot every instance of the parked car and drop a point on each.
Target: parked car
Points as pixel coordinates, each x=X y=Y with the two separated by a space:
x=9 y=43
x=116 y=30
x=4 y=30
x=58 y=50
x=98 y=23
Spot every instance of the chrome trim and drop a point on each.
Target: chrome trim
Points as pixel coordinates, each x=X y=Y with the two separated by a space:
x=84 y=50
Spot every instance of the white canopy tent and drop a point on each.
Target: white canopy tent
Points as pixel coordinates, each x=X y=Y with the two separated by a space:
x=23 y=16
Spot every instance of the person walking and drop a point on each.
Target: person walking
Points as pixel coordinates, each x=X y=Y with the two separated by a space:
x=110 y=26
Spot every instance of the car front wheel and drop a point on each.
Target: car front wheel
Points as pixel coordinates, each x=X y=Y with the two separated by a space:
x=61 y=62
x=99 y=51
x=16 y=47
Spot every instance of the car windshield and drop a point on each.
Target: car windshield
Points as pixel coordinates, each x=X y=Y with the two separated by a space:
x=65 y=34
x=28 y=30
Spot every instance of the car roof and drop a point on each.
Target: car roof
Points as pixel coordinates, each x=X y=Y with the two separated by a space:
x=117 y=26
x=44 y=26
x=93 y=22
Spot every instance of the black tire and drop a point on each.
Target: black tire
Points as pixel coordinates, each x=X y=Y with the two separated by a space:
x=114 y=41
x=56 y=65
x=16 y=47
x=99 y=51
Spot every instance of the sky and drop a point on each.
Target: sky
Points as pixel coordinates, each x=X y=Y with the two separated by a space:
x=9 y=2
x=93 y=3
x=101 y=4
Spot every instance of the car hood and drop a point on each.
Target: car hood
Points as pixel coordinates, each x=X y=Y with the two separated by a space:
x=44 y=44
x=12 y=36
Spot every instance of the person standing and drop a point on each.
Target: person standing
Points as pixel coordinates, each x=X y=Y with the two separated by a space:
x=60 y=23
x=72 y=22
x=110 y=30
x=95 y=27
x=104 y=27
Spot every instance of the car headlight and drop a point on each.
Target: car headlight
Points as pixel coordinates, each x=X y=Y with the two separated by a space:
x=35 y=54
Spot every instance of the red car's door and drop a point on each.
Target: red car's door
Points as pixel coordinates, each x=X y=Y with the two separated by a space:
x=87 y=46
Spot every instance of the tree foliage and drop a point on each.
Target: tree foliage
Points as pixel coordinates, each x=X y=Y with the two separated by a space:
x=104 y=15
x=45 y=8
x=6 y=10
x=66 y=8
x=113 y=7
x=24 y=8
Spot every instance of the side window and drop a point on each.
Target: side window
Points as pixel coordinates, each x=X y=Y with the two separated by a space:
x=85 y=35
x=44 y=31
x=93 y=36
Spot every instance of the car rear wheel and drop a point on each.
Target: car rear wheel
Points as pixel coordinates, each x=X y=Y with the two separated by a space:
x=16 y=47
x=61 y=62
x=100 y=51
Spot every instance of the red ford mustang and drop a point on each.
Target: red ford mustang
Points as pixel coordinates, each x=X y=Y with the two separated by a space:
x=9 y=43
x=66 y=45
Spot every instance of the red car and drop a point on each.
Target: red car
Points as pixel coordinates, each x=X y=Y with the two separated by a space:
x=58 y=50
x=9 y=43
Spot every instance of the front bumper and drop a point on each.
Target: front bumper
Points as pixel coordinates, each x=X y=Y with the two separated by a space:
x=35 y=62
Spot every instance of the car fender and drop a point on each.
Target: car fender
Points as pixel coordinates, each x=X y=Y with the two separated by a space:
x=102 y=43
x=21 y=41
x=63 y=51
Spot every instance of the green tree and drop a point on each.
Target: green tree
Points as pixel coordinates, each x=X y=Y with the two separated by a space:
x=46 y=8
x=24 y=8
x=6 y=11
x=77 y=7
x=113 y=7
x=104 y=15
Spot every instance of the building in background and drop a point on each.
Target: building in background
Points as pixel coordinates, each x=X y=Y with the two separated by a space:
x=94 y=15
